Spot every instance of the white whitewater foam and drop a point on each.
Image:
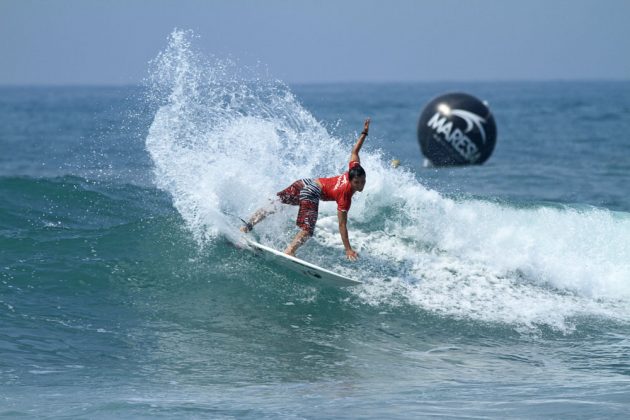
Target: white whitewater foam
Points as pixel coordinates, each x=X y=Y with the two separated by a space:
x=223 y=142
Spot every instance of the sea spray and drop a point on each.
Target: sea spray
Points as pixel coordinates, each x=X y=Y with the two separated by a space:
x=224 y=140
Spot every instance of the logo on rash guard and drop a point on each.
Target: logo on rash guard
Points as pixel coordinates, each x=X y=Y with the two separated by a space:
x=341 y=181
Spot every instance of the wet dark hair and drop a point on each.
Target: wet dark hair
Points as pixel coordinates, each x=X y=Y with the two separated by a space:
x=355 y=172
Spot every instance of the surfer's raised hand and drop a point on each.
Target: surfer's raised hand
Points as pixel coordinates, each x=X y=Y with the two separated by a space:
x=351 y=254
x=366 y=126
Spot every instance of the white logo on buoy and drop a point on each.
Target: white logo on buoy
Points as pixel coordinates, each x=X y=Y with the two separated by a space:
x=471 y=119
x=456 y=138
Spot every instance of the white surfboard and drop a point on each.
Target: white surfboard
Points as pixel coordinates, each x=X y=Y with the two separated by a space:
x=314 y=272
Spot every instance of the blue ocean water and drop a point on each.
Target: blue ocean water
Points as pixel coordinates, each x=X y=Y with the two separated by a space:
x=500 y=290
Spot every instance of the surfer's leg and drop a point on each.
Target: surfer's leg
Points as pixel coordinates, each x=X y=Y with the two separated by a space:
x=307 y=215
x=290 y=195
x=301 y=237
x=259 y=216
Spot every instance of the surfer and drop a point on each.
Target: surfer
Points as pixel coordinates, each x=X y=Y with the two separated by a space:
x=306 y=194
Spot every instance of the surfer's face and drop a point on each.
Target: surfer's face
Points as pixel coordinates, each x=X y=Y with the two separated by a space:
x=358 y=183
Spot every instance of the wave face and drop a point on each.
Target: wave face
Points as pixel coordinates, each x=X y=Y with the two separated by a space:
x=224 y=140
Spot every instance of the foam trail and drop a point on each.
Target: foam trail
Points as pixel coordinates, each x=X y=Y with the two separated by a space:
x=223 y=142
x=482 y=260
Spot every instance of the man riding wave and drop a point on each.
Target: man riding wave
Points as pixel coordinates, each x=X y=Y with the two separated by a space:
x=306 y=193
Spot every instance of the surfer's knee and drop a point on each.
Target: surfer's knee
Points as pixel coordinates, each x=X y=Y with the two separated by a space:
x=306 y=229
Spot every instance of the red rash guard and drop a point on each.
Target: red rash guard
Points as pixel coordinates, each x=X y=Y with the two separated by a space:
x=338 y=188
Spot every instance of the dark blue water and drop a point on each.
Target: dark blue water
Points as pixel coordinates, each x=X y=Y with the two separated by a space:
x=501 y=290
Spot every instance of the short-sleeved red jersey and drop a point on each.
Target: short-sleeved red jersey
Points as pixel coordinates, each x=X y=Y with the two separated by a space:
x=338 y=188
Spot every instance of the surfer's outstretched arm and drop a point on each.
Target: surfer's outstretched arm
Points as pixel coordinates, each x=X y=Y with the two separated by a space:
x=343 y=230
x=354 y=156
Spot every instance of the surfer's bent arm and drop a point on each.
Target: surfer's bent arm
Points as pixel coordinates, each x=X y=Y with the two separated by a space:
x=354 y=156
x=343 y=230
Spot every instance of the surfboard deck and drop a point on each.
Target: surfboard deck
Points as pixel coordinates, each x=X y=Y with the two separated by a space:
x=312 y=271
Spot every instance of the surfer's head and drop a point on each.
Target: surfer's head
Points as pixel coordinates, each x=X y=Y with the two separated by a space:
x=356 y=175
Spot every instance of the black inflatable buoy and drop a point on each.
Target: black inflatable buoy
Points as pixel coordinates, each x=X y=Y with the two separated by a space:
x=456 y=129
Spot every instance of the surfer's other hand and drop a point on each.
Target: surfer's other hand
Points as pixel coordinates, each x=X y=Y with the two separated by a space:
x=352 y=255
